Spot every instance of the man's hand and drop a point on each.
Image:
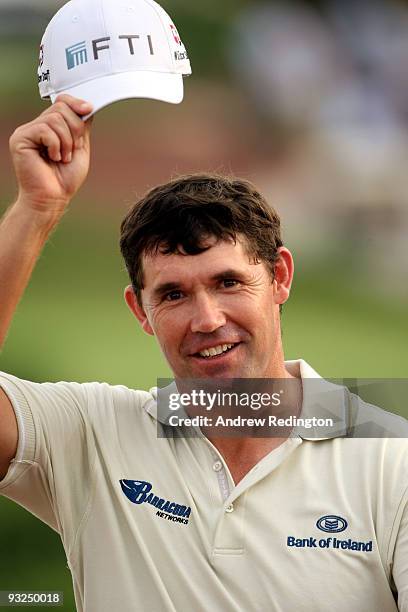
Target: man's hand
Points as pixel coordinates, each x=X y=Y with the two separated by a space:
x=51 y=160
x=51 y=156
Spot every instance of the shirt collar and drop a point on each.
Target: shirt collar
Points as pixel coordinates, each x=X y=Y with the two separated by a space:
x=322 y=399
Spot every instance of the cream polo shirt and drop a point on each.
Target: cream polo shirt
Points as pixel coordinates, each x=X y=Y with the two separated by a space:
x=157 y=524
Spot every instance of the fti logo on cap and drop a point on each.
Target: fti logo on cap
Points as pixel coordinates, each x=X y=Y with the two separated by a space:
x=76 y=55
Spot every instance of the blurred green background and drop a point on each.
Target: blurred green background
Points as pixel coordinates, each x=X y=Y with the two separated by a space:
x=282 y=94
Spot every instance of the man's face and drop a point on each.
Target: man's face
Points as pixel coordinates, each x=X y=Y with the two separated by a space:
x=215 y=302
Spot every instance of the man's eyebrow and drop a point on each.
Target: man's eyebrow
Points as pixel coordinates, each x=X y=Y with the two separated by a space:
x=164 y=288
x=230 y=273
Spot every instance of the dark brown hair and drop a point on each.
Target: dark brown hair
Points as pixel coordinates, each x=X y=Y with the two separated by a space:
x=179 y=216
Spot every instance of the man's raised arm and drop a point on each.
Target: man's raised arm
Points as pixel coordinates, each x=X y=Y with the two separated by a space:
x=51 y=161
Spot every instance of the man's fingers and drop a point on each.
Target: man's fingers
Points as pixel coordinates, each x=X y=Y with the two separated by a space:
x=78 y=106
x=59 y=129
x=64 y=118
x=75 y=124
x=51 y=142
x=56 y=121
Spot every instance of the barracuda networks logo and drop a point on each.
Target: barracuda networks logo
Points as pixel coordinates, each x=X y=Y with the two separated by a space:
x=140 y=492
x=330 y=523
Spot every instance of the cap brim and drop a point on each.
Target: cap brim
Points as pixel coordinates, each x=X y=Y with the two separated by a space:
x=102 y=91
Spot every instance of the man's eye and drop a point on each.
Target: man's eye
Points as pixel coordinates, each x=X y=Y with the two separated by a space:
x=230 y=282
x=172 y=296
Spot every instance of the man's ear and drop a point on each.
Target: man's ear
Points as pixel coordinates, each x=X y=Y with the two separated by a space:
x=284 y=269
x=137 y=309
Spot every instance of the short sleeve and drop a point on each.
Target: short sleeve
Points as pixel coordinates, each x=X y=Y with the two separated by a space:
x=400 y=560
x=51 y=475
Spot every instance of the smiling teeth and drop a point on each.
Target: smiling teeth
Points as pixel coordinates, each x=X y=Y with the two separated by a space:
x=216 y=350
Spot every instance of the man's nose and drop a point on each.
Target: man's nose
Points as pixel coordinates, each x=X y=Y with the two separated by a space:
x=207 y=315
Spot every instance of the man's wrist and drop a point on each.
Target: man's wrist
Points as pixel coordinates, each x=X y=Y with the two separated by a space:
x=44 y=215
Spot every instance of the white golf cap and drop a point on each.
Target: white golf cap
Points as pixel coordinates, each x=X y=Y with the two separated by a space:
x=108 y=50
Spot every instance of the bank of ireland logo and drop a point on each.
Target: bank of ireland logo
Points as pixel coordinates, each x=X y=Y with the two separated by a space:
x=76 y=55
x=331 y=523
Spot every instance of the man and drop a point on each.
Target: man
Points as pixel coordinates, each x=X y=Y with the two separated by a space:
x=202 y=522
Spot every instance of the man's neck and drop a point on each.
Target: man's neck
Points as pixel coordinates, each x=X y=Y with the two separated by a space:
x=241 y=454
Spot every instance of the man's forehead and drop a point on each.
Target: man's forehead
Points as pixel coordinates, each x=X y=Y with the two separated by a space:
x=219 y=256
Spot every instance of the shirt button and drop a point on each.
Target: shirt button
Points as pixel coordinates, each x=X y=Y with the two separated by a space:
x=217 y=467
x=229 y=508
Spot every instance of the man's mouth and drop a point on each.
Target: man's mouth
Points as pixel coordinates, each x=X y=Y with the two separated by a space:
x=215 y=351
